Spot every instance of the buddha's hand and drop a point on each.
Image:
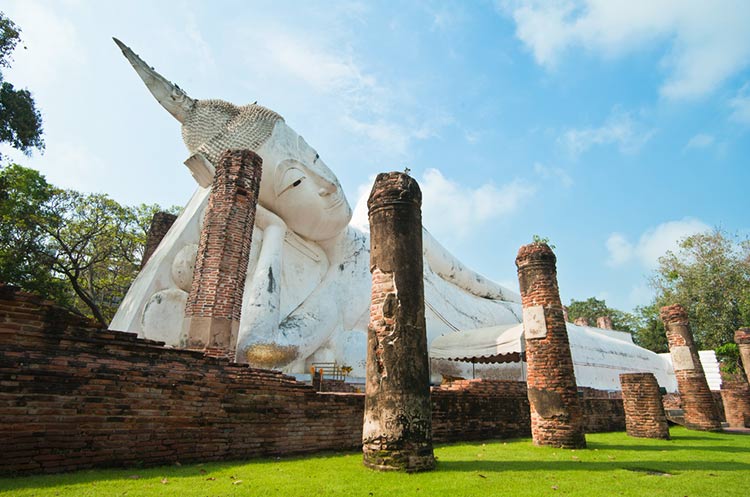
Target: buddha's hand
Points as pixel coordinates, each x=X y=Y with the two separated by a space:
x=270 y=223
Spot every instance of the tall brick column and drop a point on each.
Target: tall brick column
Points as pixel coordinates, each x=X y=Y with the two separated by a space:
x=556 y=413
x=160 y=224
x=697 y=400
x=742 y=339
x=644 y=411
x=215 y=299
x=397 y=431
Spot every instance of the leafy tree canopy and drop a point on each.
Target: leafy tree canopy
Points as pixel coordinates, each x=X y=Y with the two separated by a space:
x=709 y=275
x=20 y=121
x=79 y=249
x=594 y=308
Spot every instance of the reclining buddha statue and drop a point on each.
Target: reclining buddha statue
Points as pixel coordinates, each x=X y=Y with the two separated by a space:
x=307 y=291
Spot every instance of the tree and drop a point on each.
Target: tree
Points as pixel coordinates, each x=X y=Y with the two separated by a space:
x=24 y=194
x=594 y=308
x=80 y=249
x=650 y=333
x=20 y=121
x=710 y=276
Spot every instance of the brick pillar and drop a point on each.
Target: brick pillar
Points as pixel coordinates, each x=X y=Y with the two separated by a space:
x=742 y=339
x=215 y=299
x=582 y=321
x=160 y=224
x=556 y=413
x=644 y=411
x=397 y=431
x=697 y=400
x=735 y=396
x=604 y=322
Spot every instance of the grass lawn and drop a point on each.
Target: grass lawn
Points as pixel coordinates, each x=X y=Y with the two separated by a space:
x=691 y=464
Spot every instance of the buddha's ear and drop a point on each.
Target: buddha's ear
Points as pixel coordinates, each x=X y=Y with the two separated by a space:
x=169 y=95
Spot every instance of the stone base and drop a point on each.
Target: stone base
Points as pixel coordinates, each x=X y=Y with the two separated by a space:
x=557 y=432
x=410 y=459
x=211 y=333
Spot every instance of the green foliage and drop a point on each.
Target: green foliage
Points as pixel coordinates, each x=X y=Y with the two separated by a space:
x=24 y=195
x=79 y=249
x=593 y=308
x=538 y=240
x=20 y=121
x=710 y=276
x=730 y=363
x=650 y=333
x=706 y=464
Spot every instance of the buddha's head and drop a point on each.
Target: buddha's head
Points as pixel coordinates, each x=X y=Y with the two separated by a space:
x=296 y=184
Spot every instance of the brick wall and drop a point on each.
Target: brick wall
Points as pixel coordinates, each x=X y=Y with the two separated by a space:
x=74 y=396
x=480 y=409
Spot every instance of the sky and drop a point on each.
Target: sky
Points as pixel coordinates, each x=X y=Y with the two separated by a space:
x=613 y=128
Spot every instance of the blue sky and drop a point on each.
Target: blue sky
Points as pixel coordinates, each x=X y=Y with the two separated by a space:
x=613 y=128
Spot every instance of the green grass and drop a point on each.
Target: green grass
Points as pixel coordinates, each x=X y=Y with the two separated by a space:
x=691 y=464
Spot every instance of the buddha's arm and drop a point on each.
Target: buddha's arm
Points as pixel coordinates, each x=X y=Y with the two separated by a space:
x=451 y=269
x=262 y=291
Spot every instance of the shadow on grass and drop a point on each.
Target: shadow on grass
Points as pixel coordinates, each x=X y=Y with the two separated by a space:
x=498 y=467
x=661 y=466
x=668 y=447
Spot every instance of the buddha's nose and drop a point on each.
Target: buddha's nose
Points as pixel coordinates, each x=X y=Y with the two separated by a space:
x=326 y=187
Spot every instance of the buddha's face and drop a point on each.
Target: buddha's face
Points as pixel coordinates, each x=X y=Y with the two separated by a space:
x=299 y=188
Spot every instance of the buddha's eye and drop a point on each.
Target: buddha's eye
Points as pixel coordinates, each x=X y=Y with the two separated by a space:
x=293 y=177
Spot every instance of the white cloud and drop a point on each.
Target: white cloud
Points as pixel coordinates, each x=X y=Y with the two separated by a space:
x=653 y=243
x=619 y=129
x=740 y=105
x=451 y=210
x=360 y=218
x=553 y=174
x=701 y=140
x=619 y=248
x=708 y=41
x=324 y=66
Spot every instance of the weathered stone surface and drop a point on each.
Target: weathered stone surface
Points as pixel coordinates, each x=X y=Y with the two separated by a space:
x=397 y=431
x=582 y=322
x=742 y=339
x=556 y=413
x=644 y=411
x=697 y=400
x=160 y=224
x=215 y=300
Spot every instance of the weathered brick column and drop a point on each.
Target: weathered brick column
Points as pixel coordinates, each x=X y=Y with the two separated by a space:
x=160 y=224
x=397 y=431
x=644 y=411
x=742 y=339
x=697 y=401
x=735 y=396
x=215 y=299
x=556 y=413
x=605 y=323
x=582 y=321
